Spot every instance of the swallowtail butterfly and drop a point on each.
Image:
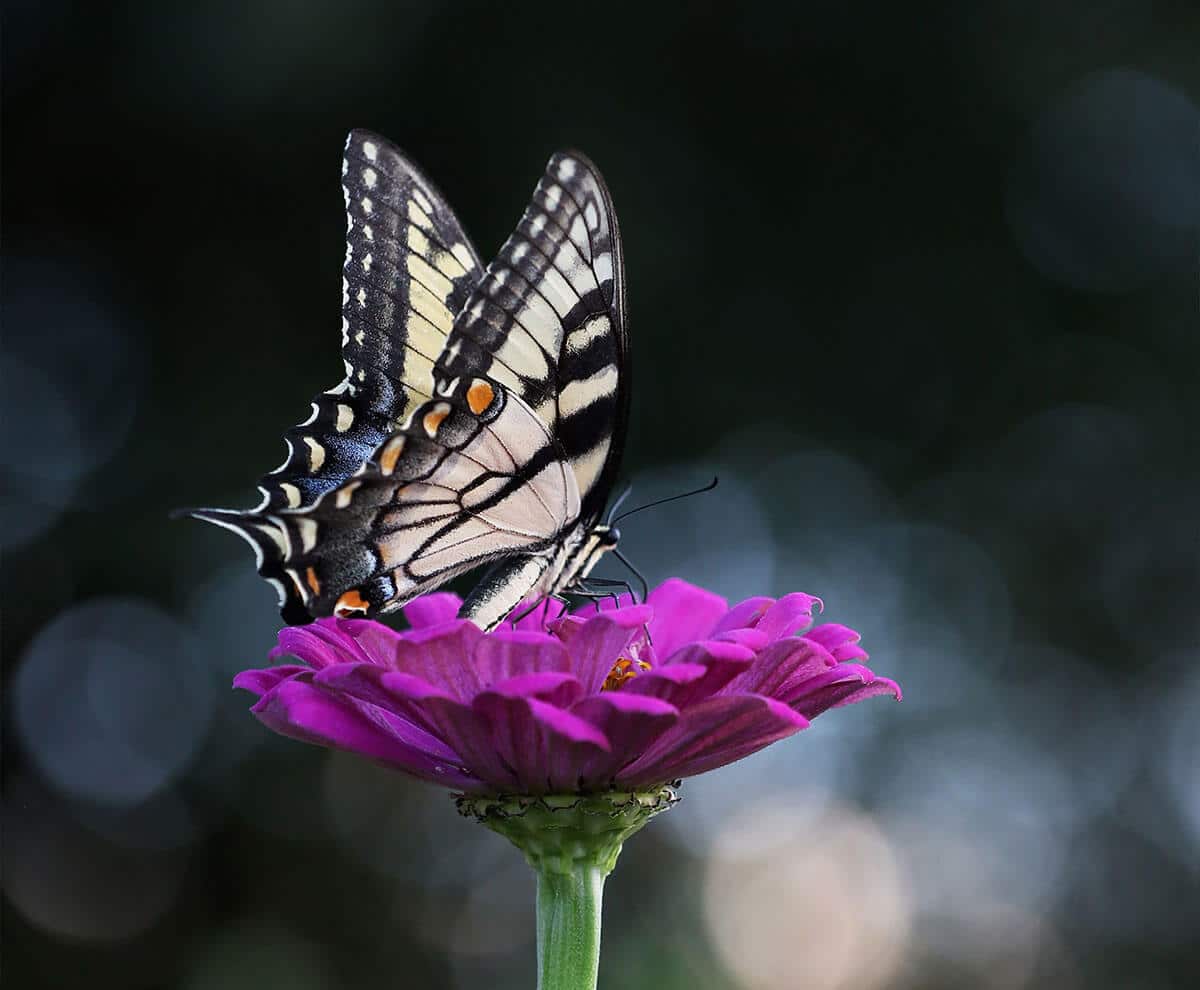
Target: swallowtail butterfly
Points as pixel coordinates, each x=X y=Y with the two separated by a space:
x=482 y=415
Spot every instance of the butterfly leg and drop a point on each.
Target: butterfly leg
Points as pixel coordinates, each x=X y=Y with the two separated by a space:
x=538 y=604
x=614 y=583
x=611 y=583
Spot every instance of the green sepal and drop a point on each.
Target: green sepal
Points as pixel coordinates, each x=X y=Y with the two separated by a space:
x=560 y=832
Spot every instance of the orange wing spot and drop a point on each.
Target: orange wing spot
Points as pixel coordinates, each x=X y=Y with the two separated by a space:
x=311 y=577
x=391 y=454
x=351 y=603
x=479 y=396
x=433 y=418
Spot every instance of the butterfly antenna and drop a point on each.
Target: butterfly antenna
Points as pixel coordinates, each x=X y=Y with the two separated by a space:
x=634 y=571
x=663 y=501
x=616 y=506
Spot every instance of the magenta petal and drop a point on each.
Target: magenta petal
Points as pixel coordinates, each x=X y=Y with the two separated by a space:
x=683 y=614
x=856 y=684
x=507 y=653
x=263 y=680
x=318 y=644
x=674 y=683
x=841 y=641
x=544 y=745
x=377 y=641
x=364 y=682
x=442 y=655
x=743 y=615
x=788 y=615
x=463 y=729
x=305 y=712
x=709 y=735
x=630 y=722
x=362 y=685
x=780 y=667
x=557 y=688
x=599 y=642
x=752 y=639
x=720 y=661
x=432 y=609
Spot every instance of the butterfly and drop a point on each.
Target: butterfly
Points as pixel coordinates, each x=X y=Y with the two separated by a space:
x=482 y=415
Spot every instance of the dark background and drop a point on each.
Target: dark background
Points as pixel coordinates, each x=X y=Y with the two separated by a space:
x=917 y=280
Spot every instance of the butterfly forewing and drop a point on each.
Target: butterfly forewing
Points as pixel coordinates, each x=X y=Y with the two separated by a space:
x=409 y=267
x=548 y=322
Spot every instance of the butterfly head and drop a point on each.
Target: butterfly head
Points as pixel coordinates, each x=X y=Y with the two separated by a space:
x=607 y=536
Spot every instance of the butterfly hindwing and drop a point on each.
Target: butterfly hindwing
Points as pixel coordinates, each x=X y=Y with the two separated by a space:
x=473 y=476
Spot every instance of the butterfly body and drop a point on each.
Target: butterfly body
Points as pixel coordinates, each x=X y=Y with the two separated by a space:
x=482 y=414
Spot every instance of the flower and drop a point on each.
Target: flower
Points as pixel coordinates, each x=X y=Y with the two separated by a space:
x=624 y=697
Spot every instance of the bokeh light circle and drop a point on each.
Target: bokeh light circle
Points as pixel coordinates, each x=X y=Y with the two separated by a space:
x=112 y=701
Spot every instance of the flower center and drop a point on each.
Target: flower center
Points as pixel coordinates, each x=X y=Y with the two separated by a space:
x=622 y=671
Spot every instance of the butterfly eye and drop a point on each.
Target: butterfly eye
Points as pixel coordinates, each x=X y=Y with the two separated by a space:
x=614 y=536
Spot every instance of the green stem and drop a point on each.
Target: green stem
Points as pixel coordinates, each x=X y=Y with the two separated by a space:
x=568 y=927
x=572 y=841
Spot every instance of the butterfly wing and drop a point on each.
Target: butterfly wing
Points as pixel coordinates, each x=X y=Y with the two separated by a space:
x=548 y=322
x=409 y=268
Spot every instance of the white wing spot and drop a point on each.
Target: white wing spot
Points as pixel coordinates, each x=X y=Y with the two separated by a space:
x=370 y=150
x=367 y=205
x=422 y=199
x=366 y=263
x=603 y=268
x=538 y=225
x=345 y=418
x=291 y=493
x=316 y=454
x=553 y=196
x=418 y=216
x=360 y=337
x=368 y=233
x=597 y=326
x=361 y=296
x=463 y=255
x=370 y=177
x=591 y=216
x=566 y=168
x=345 y=494
x=520 y=251
x=308 y=532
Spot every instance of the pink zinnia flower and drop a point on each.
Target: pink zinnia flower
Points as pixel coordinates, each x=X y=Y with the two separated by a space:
x=625 y=698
